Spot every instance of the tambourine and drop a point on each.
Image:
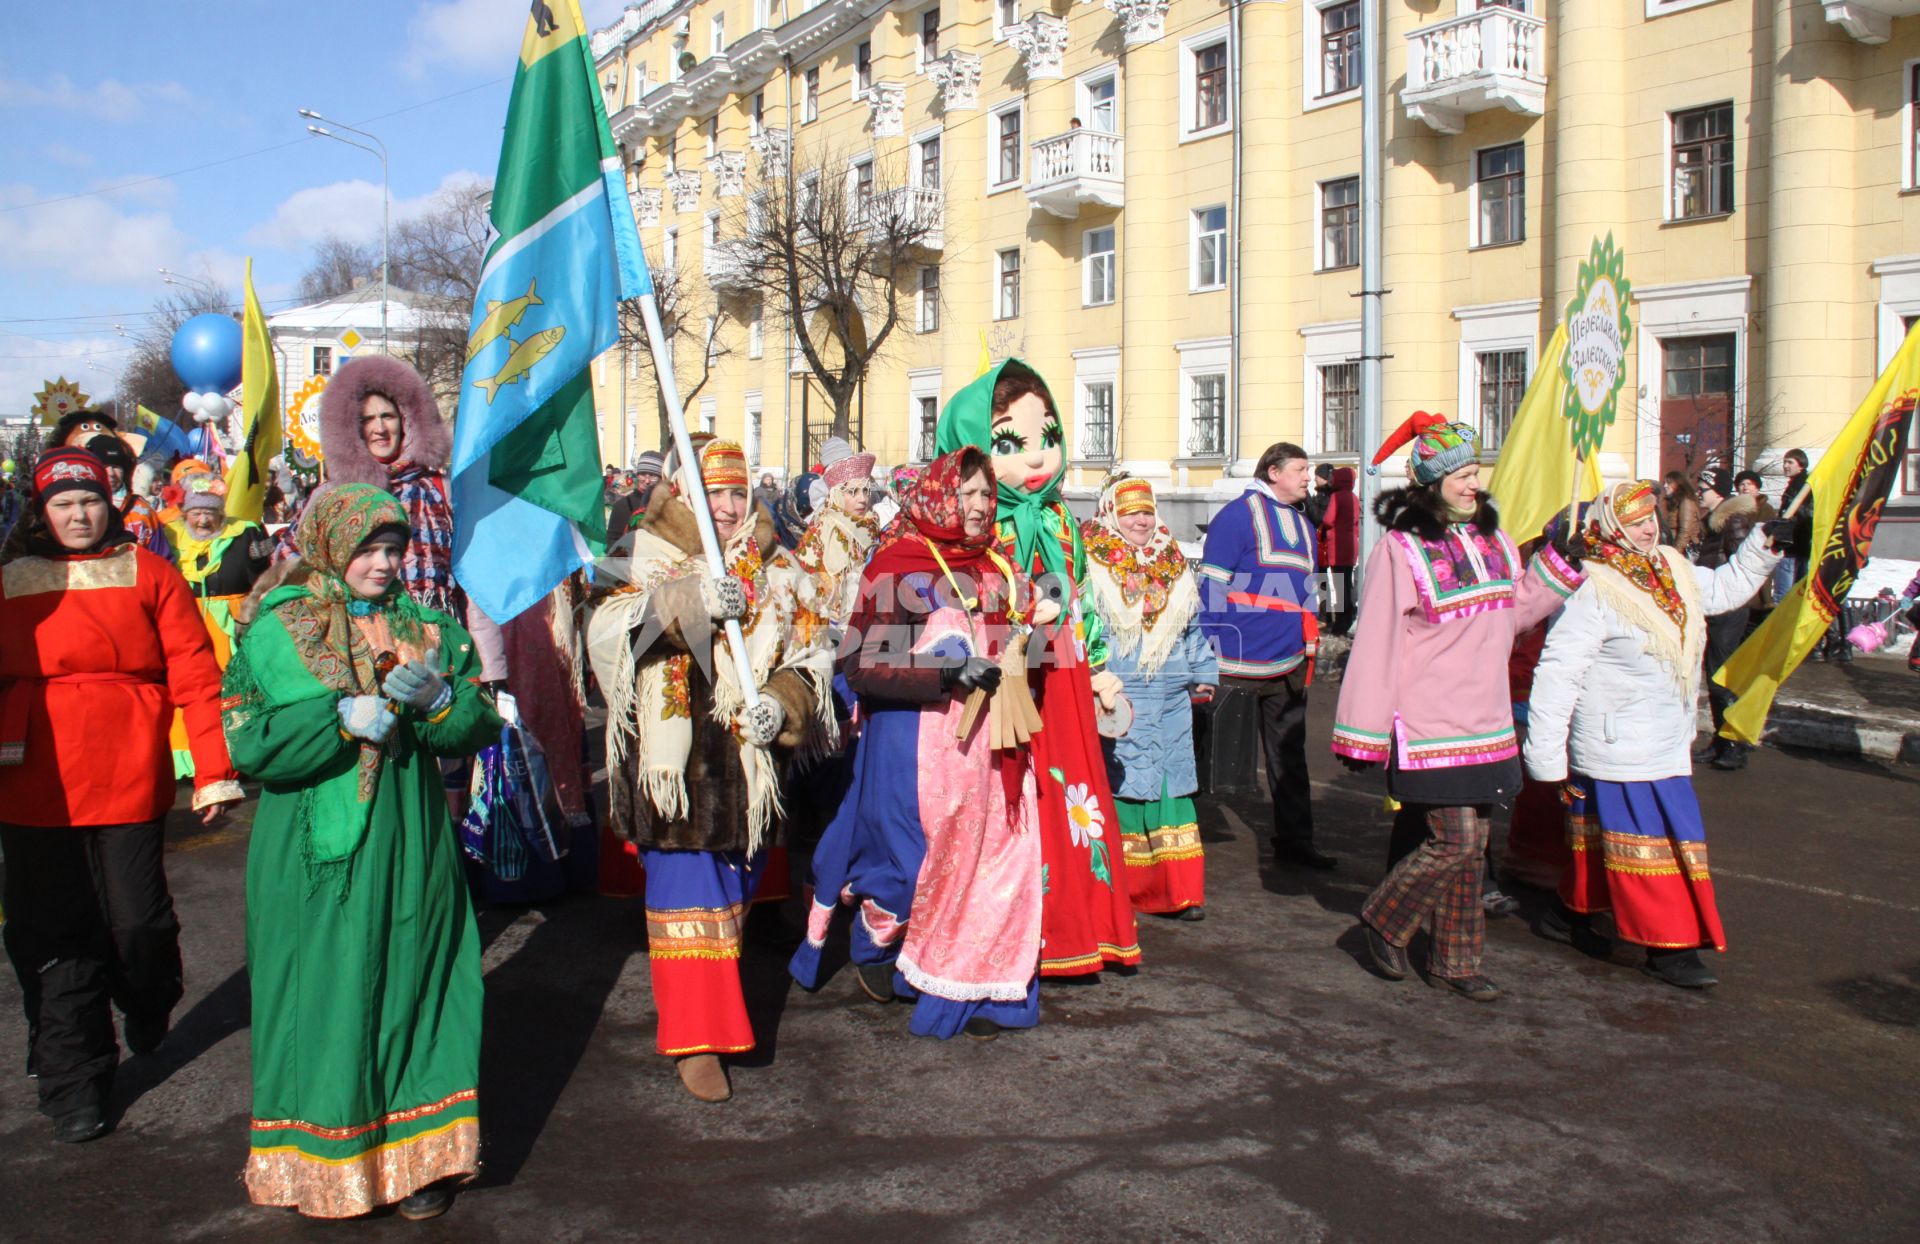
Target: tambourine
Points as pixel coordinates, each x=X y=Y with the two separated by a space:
x=1113 y=723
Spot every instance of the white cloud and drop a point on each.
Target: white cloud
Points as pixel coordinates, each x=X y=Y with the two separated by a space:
x=342 y=209
x=106 y=100
x=481 y=34
x=27 y=363
x=66 y=157
x=87 y=240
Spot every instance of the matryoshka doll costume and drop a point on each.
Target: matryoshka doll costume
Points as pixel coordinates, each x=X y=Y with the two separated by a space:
x=1087 y=918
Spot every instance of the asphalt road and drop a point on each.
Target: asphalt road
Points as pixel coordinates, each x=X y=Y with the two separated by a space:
x=1251 y=1082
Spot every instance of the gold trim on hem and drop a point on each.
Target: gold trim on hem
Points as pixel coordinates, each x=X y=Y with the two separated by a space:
x=349 y=1187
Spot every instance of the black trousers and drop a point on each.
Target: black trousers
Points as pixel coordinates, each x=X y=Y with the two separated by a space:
x=1724 y=633
x=90 y=924
x=1338 y=614
x=1283 y=742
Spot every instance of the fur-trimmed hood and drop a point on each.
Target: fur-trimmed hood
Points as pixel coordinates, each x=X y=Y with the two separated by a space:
x=427 y=439
x=1418 y=512
x=1751 y=509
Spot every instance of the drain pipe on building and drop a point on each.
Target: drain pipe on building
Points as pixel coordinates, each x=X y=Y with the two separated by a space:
x=1372 y=276
x=1236 y=36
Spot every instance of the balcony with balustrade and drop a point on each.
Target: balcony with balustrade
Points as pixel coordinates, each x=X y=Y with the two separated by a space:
x=1869 y=21
x=1080 y=168
x=919 y=209
x=727 y=265
x=1493 y=58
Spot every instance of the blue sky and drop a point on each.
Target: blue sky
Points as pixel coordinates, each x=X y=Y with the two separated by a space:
x=137 y=136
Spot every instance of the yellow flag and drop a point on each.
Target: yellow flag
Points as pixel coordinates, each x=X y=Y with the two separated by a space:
x=260 y=419
x=986 y=357
x=1849 y=487
x=1533 y=480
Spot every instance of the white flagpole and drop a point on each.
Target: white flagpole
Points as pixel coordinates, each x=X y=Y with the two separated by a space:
x=696 y=496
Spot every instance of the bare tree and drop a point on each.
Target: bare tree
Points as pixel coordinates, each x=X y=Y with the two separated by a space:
x=835 y=254
x=338 y=267
x=148 y=378
x=691 y=320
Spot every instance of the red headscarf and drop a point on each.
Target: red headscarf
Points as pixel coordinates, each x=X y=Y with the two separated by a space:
x=930 y=516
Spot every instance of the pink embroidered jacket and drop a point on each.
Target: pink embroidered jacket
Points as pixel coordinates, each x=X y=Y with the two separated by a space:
x=1427 y=679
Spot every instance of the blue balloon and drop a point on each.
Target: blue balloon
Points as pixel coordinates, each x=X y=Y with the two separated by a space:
x=206 y=353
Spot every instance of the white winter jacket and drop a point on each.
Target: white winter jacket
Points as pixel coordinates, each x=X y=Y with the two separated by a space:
x=1627 y=719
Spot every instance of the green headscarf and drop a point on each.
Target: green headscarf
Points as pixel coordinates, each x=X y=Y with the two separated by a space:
x=1031 y=516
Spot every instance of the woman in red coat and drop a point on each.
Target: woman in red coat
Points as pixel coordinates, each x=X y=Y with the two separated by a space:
x=99 y=642
x=1339 y=548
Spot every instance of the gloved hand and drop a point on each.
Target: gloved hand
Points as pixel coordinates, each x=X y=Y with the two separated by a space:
x=760 y=725
x=418 y=686
x=1356 y=764
x=971 y=673
x=725 y=598
x=1779 y=533
x=366 y=717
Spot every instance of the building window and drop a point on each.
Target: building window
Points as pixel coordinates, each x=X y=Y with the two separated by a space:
x=756 y=336
x=1339 y=48
x=862 y=70
x=1696 y=403
x=1340 y=408
x=810 y=95
x=927 y=155
x=1702 y=165
x=928 y=296
x=926 y=422
x=1098 y=105
x=929 y=36
x=323 y=360
x=1006 y=15
x=1007 y=152
x=1209 y=248
x=1503 y=379
x=1209 y=108
x=861 y=185
x=1339 y=223
x=751 y=418
x=763 y=11
x=1096 y=421
x=710 y=231
x=1097 y=260
x=1006 y=303
x=716 y=34
x=670 y=249
x=1500 y=190
x=757 y=115
x=711 y=128
x=1207 y=415
x=1913 y=126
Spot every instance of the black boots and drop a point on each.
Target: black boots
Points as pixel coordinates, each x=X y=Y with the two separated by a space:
x=1680 y=967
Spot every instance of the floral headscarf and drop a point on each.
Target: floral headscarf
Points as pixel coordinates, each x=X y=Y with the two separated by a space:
x=1644 y=589
x=1146 y=594
x=1607 y=542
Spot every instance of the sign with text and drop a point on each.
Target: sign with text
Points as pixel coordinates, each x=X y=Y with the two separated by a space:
x=1598 y=330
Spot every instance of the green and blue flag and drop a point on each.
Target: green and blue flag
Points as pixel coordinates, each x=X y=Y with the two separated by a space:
x=526 y=477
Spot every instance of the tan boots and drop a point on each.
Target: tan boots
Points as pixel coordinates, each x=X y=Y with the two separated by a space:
x=705 y=1078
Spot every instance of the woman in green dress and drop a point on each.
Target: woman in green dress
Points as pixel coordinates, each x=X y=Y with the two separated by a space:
x=361 y=945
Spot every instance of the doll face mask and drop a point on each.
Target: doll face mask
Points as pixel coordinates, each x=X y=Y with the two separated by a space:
x=1027 y=444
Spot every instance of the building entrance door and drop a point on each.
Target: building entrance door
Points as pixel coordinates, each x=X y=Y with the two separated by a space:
x=1696 y=404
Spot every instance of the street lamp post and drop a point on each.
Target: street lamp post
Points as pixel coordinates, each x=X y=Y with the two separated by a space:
x=386 y=199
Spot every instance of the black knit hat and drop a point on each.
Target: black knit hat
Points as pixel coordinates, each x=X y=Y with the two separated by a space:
x=1717 y=479
x=113 y=451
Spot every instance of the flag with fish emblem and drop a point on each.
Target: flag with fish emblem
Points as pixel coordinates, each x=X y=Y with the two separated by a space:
x=1849 y=485
x=527 y=507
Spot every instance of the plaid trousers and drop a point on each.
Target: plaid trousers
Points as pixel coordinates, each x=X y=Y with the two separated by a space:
x=1438 y=885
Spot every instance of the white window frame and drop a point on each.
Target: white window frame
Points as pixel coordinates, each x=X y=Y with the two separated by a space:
x=1016 y=106
x=920 y=58
x=1485 y=328
x=1000 y=27
x=1909 y=168
x=709 y=413
x=1464 y=8
x=1209 y=357
x=757 y=336
x=1019 y=271
x=1310 y=25
x=717 y=33
x=1899 y=277
x=710 y=231
x=763 y=11
x=1474 y=240
x=853 y=65
x=865 y=160
x=923 y=382
x=1321 y=262
x=1223 y=259
x=670 y=247
x=757 y=114
x=1092 y=366
x=1087 y=267
x=753 y=413
x=1668 y=214
x=1326 y=345
x=810 y=94
x=1689 y=309
x=1190 y=49
x=915 y=152
x=920 y=298
x=1083 y=96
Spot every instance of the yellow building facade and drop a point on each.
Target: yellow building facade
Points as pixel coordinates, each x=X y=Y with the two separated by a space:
x=1155 y=202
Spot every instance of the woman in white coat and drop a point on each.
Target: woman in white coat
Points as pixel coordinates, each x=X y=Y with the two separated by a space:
x=1612 y=715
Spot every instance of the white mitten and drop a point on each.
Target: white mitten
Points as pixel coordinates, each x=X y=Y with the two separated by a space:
x=760 y=725
x=366 y=717
x=725 y=598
